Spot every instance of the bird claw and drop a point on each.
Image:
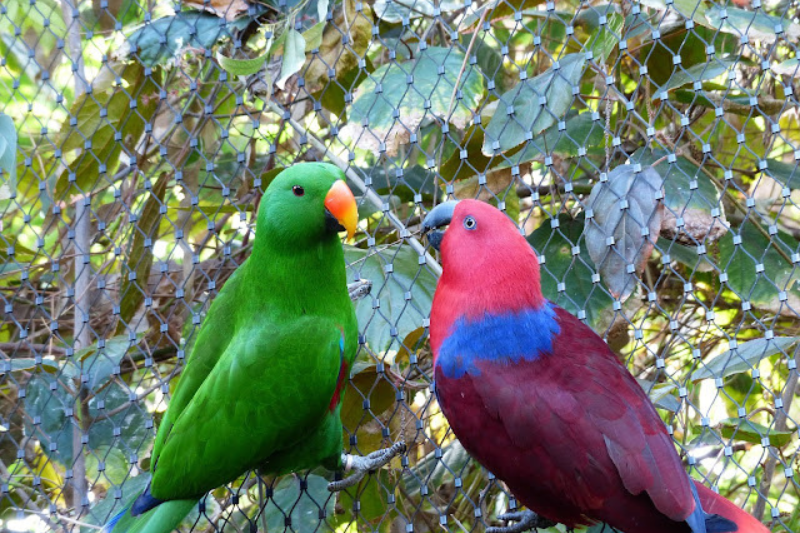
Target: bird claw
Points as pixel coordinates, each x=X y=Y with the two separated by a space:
x=525 y=521
x=363 y=465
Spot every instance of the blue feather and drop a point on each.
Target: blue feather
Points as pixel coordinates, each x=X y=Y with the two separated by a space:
x=109 y=527
x=701 y=522
x=145 y=502
x=499 y=338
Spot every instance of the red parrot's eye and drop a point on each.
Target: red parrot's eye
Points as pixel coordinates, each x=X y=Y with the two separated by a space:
x=470 y=223
x=298 y=190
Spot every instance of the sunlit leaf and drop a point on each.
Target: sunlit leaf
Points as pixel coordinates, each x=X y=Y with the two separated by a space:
x=756 y=24
x=294 y=56
x=398 y=98
x=8 y=158
x=742 y=429
x=534 y=105
x=743 y=358
x=136 y=273
x=696 y=73
x=163 y=39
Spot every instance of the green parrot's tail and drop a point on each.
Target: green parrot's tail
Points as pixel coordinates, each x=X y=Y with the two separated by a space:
x=162 y=519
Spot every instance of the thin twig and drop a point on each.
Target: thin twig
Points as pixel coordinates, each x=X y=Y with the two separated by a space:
x=464 y=66
x=781 y=417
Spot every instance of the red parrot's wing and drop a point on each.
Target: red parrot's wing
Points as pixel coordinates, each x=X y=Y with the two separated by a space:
x=588 y=427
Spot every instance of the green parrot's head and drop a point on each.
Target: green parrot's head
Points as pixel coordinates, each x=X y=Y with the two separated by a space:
x=306 y=204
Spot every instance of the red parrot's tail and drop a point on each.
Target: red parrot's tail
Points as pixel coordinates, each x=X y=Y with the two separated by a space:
x=713 y=503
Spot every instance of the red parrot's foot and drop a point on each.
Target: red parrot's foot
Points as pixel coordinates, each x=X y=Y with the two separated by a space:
x=361 y=466
x=525 y=521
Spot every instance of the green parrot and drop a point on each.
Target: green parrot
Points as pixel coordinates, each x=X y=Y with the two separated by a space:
x=263 y=385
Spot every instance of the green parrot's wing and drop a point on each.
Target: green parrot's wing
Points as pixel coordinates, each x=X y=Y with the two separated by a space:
x=212 y=340
x=271 y=389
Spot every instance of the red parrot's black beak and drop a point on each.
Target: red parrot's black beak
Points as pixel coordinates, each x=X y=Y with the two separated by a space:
x=439 y=217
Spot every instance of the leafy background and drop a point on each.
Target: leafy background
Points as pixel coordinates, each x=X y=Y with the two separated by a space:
x=648 y=149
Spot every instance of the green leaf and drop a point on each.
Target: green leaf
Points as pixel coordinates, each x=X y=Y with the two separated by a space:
x=28 y=364
x=623 y=207
x=688 y=9
x=395 y=11
x=366 y=384
x=242 y=67
x=489 y=59
x=785 y=173
x=163 y=39
x=746 y=430
x=742 y=264
x=659 y=394
x=108 y=507
x=686 y=255
x=313 y=36
x=568 y=138
x=696 y=73
x=688 y=194
x=496 y=9
x=742 y=358
x=107 y=465
x=788 y=67
x=301 y=508
x=135 y=280
x=52 y=408
x=434 y=469
x=126 y=111
x=606 y=38
x=322 y=9
x=521 y=111
x=566 y=277
x=392 y=107
x=403 y=183
x=8 y=158
x=755 y=24
x=99 y=363
x=372 y=500
x=395 y=273
x=294 y=56
x=685 y=185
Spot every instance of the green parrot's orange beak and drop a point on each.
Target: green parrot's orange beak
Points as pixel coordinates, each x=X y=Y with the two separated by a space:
x=341 y=203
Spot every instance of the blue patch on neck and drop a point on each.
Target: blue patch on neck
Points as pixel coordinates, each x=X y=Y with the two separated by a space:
x=498 y=338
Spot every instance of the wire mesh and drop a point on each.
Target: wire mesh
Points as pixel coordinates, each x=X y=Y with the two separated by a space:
x=137 y=139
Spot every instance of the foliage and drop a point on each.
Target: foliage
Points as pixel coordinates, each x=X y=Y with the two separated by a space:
x=649 y=150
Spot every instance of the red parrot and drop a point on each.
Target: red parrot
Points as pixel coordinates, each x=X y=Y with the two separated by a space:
x=540 y=400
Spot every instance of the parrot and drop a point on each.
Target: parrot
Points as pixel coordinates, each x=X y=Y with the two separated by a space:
x=263 y=384
x=541 y=401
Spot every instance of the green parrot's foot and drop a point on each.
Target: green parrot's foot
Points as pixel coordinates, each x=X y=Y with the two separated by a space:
x=525 y=521
x=361 y=466
x=359 y=289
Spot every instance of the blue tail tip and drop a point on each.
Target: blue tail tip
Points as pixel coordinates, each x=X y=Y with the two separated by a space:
x=109 y=527
x=145 y=502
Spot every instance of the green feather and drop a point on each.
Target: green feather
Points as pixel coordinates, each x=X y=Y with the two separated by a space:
x=257 y=388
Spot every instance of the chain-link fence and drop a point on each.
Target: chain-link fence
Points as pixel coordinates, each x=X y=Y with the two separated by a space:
x=137 y=138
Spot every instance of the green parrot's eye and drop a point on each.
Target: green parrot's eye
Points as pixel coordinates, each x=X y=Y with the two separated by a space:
x=298 y=190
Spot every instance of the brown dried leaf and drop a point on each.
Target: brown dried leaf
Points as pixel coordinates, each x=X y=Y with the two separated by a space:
x=333 y=53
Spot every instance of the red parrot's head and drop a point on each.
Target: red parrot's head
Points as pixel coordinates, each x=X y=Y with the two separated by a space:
x=488 y=266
